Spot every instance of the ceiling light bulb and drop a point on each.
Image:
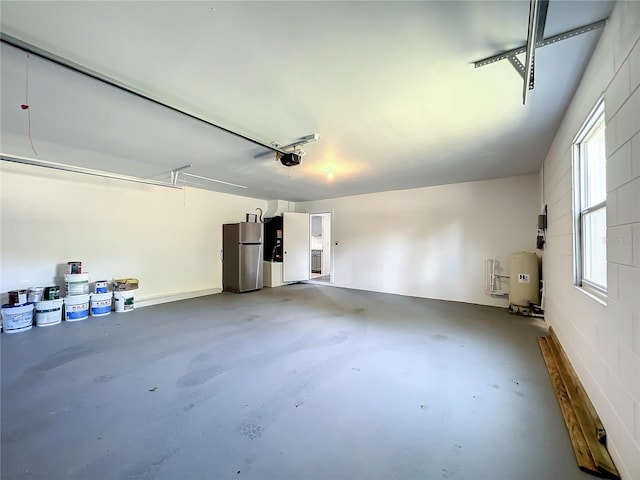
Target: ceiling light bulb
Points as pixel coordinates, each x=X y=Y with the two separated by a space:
x=330 y=175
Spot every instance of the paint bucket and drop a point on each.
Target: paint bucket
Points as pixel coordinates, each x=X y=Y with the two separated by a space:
x=74 y=267
x=123 y=301
x=76 y=307
x=48 y=312
x=34 y=294
x=17 y=318
x=52 y=293
x=100 y=304
x=17 y=297
x=76 y=283
x=101 y=287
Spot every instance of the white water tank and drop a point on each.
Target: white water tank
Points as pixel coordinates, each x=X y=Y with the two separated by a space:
x=524 y=279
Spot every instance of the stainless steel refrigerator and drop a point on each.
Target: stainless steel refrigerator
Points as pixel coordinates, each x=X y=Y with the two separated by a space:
x=242 y=256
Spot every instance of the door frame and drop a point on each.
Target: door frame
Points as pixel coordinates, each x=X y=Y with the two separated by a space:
x=329 y=217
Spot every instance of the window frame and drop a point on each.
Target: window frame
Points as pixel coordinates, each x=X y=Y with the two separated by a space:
x=594 y=123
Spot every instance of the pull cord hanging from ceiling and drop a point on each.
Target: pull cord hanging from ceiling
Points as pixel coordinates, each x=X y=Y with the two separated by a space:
x=39 y=52
x=27 y=106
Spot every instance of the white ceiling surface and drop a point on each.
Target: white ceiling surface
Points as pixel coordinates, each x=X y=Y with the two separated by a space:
x=389 y=86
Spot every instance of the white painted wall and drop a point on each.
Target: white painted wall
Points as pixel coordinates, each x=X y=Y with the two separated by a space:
x=170 y=239
x=431 y=242
x=603 y=341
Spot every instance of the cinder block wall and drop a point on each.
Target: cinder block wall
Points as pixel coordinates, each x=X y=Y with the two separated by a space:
x=603 y=340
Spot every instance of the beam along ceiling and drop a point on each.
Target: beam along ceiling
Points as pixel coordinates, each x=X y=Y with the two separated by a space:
x=389 y=86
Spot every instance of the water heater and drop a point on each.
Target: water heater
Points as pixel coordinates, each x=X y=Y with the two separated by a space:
x=524 y=276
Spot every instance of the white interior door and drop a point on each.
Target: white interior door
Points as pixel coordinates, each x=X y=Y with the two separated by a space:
x=296 y=245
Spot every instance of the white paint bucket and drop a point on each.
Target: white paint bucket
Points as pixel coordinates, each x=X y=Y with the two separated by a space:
x=34 y=294
x=76 y=283
x=76 y=307
x=123 y=301
x=48 y=312
x=102 y=286
x=100 y=304
x=17 y=318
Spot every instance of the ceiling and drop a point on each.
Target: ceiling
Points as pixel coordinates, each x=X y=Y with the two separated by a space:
x=390 y=87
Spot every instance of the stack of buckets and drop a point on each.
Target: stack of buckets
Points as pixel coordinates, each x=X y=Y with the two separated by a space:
x=78 y=302
x=101 y=299
x=123 y=294
x=43 y=303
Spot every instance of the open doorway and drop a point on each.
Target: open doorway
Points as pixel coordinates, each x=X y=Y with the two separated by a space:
x=321 y=247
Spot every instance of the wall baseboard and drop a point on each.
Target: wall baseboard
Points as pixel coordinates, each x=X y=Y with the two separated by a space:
x=174 y=297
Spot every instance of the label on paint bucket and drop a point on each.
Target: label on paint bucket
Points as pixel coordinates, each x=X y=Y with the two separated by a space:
x=124 y=301
x=100 y=307
x=48 y=312
x=76 y=308
x=77 y=284
x=19 y=320
x=101 y=287
x=77 y=311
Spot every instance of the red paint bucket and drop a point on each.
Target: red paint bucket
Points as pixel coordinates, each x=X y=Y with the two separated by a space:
x=17 y=297
x=74 y=267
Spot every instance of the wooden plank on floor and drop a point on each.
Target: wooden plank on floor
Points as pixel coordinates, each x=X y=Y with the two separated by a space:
x=578 y=440
x=585 y=412
x=578 y=389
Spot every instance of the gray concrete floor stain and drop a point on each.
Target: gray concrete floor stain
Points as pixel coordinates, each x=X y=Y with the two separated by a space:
x=298 y=382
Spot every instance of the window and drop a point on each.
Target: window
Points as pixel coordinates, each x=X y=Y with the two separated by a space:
x=590 y=208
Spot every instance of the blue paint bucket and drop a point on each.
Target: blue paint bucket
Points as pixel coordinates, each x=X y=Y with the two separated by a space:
x=76 y=307
x=101 y=304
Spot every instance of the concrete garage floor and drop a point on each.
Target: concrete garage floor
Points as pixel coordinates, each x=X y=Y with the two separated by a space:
x=297 y=382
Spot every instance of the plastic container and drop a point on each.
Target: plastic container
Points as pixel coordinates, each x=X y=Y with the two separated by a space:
x=17 y=318
x=101 y=304
x=76 y=283
x=48 y=312
x=123 y=301
x=123 y=284
x=74 y=267
x=51 y=293
x=34 y=294
x=76 y=307
x=101 y=286
x=17 y=297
